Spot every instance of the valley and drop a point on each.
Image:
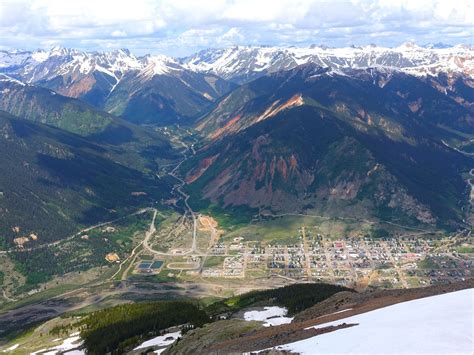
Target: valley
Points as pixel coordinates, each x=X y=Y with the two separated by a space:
x=178 y=252
x=227 y=184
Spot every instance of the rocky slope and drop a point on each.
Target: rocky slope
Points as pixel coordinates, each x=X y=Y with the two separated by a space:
x=46 y=106
x=163 y=92
x=313 y=139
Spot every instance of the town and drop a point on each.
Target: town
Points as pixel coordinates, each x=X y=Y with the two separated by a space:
x=355 y=261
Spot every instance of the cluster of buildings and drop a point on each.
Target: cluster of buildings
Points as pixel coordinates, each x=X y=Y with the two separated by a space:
x=390 y=262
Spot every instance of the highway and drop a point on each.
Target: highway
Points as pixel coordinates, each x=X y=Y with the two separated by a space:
x=188 y=210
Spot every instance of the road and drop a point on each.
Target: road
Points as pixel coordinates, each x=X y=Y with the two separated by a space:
x=188 y=210
x=471 y=184
x=185 y=196
x=9 y=299
x=457 y=149
x=307 y=253
x=396 y=266
x=133 y=256
x=148 y=234
x=82 y=231
x=178 y=187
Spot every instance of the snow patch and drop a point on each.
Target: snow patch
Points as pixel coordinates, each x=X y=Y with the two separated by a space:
x=159 y=65
x=162 y=340
x=7 y=78
x=68 y=344
x=271 y=316
x=13 y=347
x=40 y=56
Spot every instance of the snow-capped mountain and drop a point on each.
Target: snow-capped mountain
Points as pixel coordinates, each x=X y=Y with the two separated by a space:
x=45 y=65
x=164 y=92
x=142 y=89
x=150 y=87
x=241 y=64
x=14 y=59
x=74 y=73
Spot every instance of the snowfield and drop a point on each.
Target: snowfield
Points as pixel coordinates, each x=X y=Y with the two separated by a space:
x=442 y=324
x=270 y=315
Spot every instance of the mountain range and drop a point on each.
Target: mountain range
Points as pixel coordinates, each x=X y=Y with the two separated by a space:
x=183 y=88
x=242 y=64
x=150 y=89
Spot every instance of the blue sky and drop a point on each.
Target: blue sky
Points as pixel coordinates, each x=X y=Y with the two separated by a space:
x=181 y=27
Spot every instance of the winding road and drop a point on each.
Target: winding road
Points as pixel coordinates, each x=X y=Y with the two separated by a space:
x=134 y=253
x=471 y=183
x=188 y=210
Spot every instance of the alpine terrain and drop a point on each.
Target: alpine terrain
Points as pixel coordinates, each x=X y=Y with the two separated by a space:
x=240 y=199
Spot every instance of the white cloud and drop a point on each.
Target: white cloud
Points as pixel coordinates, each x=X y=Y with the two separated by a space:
x=180 y=26
x=233 y=35
x=118 y=33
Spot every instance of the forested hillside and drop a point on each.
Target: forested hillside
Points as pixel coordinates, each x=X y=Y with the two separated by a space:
x=53 y=182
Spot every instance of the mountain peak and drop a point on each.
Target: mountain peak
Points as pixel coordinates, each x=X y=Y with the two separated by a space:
x=159 y=65
x=59 y=50
x=438 y=45
x=409 y=46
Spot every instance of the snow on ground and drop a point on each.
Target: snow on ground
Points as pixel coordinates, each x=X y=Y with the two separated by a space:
x=13 y=347
x=270 y=315
x=432 y=325
x=7 y=78
x=74 y=341
x=75 y=352
x=160 y=341
x=159 y=351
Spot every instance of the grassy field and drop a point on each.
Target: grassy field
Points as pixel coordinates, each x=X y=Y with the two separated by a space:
x=213 y=261
x=465 y=250
x=284 y=230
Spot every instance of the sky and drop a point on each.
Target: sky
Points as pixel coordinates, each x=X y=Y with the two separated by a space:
x=182 y=27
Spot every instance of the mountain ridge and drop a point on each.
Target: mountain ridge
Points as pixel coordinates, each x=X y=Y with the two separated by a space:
x=245 y=63
x=408 y=57
x=309 y=138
